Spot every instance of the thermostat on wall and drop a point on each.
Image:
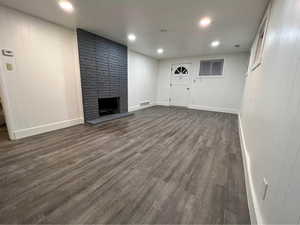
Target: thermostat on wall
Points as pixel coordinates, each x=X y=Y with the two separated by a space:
x=7 y=53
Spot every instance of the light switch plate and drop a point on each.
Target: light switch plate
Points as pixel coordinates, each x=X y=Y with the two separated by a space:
x=9 y=67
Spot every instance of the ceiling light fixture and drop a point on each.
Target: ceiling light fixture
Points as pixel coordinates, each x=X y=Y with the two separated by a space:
x=131 y=37
x=205 y=22
x=160 y=51
x=66 y=5
x=215 y=44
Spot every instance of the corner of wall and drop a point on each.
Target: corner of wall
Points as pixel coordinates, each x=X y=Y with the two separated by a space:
x=163 y=103
x=138 y=107
x=78 y=75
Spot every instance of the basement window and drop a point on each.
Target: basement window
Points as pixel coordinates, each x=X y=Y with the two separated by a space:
x=212 y=67
x=260 y=40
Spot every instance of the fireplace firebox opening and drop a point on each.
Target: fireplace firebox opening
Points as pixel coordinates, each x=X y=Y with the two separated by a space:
x=108 y=106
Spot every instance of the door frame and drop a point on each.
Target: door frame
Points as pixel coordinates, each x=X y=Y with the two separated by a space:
x=189 y=83
x=5 y=102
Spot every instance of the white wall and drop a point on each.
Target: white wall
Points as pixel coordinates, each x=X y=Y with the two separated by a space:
x=142 y=78
x=43 y=93
x=208 y=93
x=270 y=118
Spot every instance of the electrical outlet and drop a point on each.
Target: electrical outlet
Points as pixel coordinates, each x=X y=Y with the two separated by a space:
x=265 y=189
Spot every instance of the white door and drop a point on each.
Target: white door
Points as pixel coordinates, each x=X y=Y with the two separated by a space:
x=180 y=84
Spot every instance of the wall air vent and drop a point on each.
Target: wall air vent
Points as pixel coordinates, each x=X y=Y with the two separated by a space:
x=145 y=103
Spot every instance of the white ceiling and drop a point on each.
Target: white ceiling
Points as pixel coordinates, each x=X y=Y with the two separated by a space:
x=234 y=22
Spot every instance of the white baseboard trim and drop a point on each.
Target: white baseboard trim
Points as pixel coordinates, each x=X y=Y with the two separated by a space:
x=163 y=103
x=18 y=134
x=138 y=107
x=214 y=109
x=255 y=213
x=205 y=108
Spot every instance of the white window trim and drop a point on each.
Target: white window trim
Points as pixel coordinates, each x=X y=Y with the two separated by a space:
x=181 y=74
x=266 y=20
x=211 y=76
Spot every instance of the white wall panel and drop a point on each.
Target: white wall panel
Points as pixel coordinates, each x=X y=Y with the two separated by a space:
x=270 y=117
x=142 y=79
x=44 y=88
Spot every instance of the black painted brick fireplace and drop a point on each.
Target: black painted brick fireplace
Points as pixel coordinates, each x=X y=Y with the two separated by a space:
x=103 y=67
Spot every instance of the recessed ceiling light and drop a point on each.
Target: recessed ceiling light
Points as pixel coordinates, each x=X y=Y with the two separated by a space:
x=215 y=44
x=131 y=37
x=66 y=5
x=160 y=51
x=205 y=22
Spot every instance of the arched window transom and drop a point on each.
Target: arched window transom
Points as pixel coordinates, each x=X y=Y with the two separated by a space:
x=181 y=70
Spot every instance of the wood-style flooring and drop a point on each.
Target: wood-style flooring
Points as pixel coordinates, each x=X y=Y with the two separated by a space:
x=164 y=165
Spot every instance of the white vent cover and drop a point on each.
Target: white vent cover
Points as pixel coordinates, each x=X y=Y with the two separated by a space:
x=145 y=103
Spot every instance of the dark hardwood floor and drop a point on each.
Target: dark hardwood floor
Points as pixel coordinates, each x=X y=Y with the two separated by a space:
x=164 y=165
